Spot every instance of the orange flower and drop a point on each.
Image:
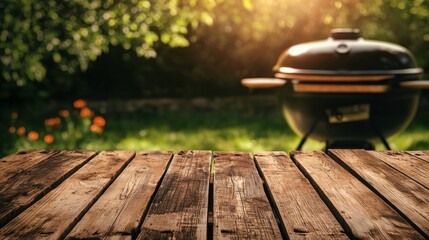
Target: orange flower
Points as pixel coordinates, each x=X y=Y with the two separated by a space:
x=64 y=113
x=14 y=115
x=20 y=131
x=86 y=112
x=53 y=122
x=49 y=138
x=33 y=136
x=12 y=130
x=93 y=128
x=99 y=121
x=79 y=103
x=96 y=129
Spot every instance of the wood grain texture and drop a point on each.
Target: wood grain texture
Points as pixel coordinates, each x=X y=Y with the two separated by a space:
x=409 y=197
x=303 y=213
x=16 y=163
x=241 y=208
x=407 y=164
x=358 y=209
x=118 y=212
x=57 y=212
x=424 y=155
x=179 y=208
x=34 y=179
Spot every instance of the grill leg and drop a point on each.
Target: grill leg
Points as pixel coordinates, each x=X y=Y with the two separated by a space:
x=384 y=141
x=305 y=137
x=382 y=138
x=301 y=143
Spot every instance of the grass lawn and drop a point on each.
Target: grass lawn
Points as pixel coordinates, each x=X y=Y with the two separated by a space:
x=191 y=130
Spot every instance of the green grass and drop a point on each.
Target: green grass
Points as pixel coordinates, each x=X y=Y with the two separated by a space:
x=201 y=130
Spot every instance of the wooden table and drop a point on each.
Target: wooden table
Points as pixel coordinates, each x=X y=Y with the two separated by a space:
x=220 y=195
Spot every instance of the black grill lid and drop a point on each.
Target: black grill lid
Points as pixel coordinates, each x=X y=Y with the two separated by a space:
x=346 y=53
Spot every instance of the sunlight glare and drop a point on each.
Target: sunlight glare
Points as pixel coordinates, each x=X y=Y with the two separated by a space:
x=298 y=50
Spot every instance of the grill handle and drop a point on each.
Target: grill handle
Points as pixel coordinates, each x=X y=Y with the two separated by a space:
x=254 y=83
x=420 y=84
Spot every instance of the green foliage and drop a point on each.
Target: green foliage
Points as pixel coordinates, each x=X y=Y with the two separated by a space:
x=65 y=35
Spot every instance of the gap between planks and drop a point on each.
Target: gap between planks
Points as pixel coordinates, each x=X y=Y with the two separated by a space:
x=423 y=155
x=274 y=207
x=210 y=203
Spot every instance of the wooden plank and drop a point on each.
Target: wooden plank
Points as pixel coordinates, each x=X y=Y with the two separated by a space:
x=303 y=213
x=179 y=208
x=360 y=211
x=424 y=155
x=407 y=164
x=241 y=208
x=55 y=214
x=406 y=195
x=16 y=163
x=31 y=182
x=119 y=211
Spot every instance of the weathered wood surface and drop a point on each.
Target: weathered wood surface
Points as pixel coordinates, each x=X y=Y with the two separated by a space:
x=408 y=196
x=54 y=214
x=241 y=208
x=16 y=163
x=303 y=213
x=179 y=208
x=411 y=166
x=35 y=177
x=157 y=195
x=359 y=210
x=119 y=211
x=420 y=154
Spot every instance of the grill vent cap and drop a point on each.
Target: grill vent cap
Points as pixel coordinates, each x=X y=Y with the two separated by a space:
x=345 y=33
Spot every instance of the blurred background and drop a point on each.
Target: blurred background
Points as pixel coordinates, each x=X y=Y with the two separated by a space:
x=165 y=74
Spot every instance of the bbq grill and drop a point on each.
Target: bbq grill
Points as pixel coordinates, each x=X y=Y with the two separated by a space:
x=346 y=91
